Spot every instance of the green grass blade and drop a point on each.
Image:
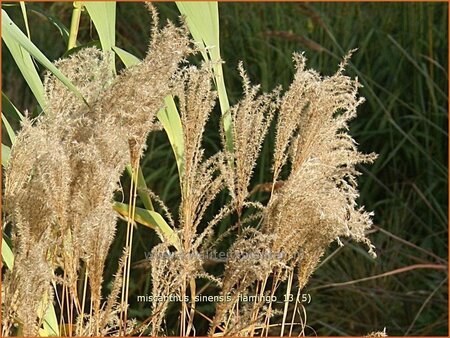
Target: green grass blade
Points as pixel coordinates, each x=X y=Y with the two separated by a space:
x=142 y=188
x=14 y=37
x=103 y=15
x=151 y=219
x=7 y=254
x=6 y=152
x=9 y=130
x=128 y=59
x=200 y=22
x=25 y=18
x=10 y=110
x=8 y=107
x=171 y=121
x=23 y=61
x=50 y=322
x=203 y=22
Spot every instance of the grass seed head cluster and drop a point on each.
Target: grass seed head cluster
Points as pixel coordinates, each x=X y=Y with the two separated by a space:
x=65 y=167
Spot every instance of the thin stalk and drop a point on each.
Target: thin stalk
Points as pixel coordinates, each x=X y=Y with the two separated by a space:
x=63 y=299
x=256 y=310
x=127 y=238
x=83 y=302
x=71 y=316
x=80 y=284
x=286 y=301
x=68 y=333
x=192 y=314
x=237 y=311
x=303 y=321
x=239 y=215
x=224 y=107
x=229 y=317
x=75 y=24
x=252 y=328
x=133 y=211
x=183 y=309
x=128 y=246
x=297 y=299
x=122 y=295
x=269 y=310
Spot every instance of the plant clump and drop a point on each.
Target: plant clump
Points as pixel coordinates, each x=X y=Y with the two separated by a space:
x=65 y=167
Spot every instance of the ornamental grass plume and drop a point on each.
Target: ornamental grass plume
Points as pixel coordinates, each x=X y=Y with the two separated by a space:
x=136 y=98
x=199 y=184
x=251 y=118
x=201 y=180
x=29 y=183
x=67 y=165
x=316 y=203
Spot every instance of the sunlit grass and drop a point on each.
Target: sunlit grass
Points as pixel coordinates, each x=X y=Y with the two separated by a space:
x=402 y=65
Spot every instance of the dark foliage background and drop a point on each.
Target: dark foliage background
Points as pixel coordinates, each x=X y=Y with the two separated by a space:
x=402 y=63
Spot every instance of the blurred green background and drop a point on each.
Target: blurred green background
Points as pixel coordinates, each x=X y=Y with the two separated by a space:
x=402 y=63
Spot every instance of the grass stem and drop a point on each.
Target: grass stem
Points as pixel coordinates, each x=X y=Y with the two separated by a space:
x=75 y=24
